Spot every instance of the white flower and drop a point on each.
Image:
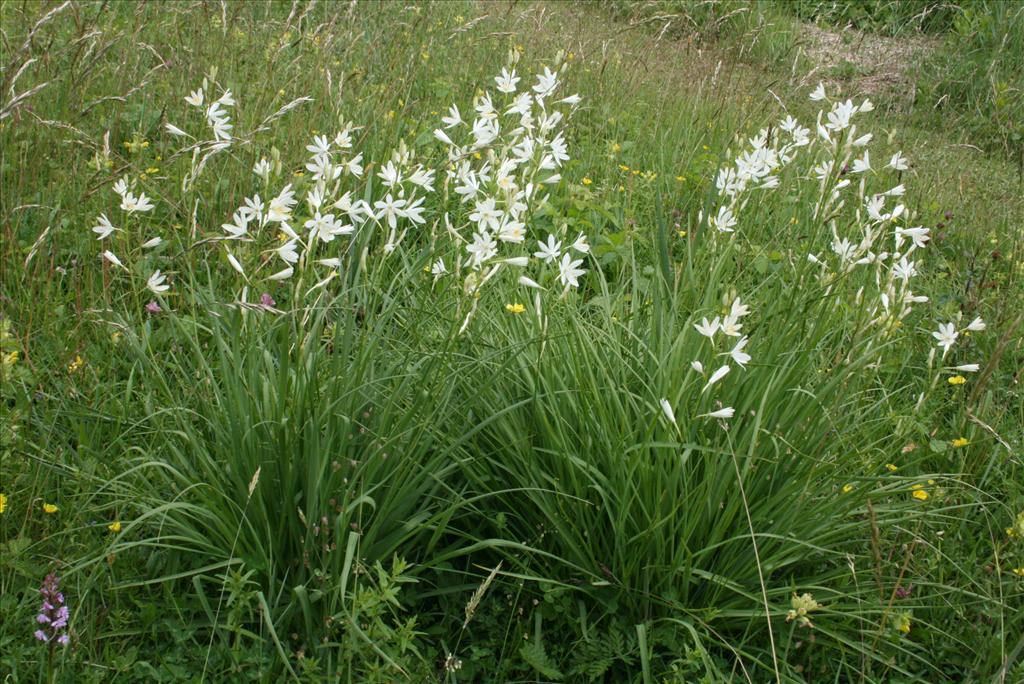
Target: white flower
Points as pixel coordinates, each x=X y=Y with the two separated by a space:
x=438 y=268
x=390 y=174
x=731 y=325
x=521 y=262
x=482 y=248
x=507 y=81
x=153 y=242
x=195 y=98
x=414 y=210
x=550 y=251
x=156 y=283
x=132 y=204
x=235 y=263
x=666 y=408
x=697 y=366
x=898 y=162
x=572 y=100
x=716 y=376
x=280 y=209
x=568 y=271
x=104 y=227
x=737 y=353
x=253 y=208
x=818 y=93
x=453 y=118
x=239 y=225
x=839 y=117
x=390 y=208
x=728 y=412
x=121 y=187
x=287 y=252
x=443 y=137
x=321 y=145
x=174 y=130
x=109 y=256
x=523 y=280
x=423 y=178
x=724 y=221
x=706 y=329
x=355 y=166
x=283 y=274
x=226 y=99
x=262 y=169
x=581 y=245
x=946 y=335
x=977 y=325
x=546 y=83
x=967 y=368
x=861 y=165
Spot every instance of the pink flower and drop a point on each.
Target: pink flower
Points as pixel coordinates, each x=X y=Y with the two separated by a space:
x=267 y=301
x=153 y=307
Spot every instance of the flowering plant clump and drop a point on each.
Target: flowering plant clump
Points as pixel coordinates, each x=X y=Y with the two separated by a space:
x=53 y=613
x=498 y=173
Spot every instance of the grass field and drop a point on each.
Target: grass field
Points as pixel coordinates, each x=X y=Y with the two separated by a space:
x=685 y=347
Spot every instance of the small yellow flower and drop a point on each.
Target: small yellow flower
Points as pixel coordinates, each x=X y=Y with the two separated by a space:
x=115 y=337
x=1019 y=572
x=476 y=155
x=115 y=526
x=903 y=623
x=681 y=233
x=891 y=467
x=957 y=380
x=152 y=170
x=920 y=494
x=515 y=308
x=50 y=508
x=680 y=178
x=706 y=148
x=76 y=365
x=11 y=358
x=960 y=441
x=623 y=167
x=847 y=488
x=616 y=147
x=587 y=181
x=3 y=502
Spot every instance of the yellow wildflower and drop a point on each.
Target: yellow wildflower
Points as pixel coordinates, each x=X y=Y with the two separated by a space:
x=115 y=337
x=76 y=365
x=847 y=488
x=680 y=178
x=920 y=494
x=152 y=170
x=681 y=233
x=616 y=147
x=3 y=502
x=957 y=380
x=115 y=526
x=623 y=167
x=515 y=308
x=11 y=358
x=587 y=181
x=960 y=441
x=891 y=467
x=903 y=622
x=49 y=508
x=1019 y=572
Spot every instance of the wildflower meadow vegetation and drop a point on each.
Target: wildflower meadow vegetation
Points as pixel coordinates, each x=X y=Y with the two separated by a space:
x=505 y=342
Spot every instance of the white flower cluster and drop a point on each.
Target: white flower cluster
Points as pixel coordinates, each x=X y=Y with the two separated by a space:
x=757 y=168
x=730 y=326
x=498 y=164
